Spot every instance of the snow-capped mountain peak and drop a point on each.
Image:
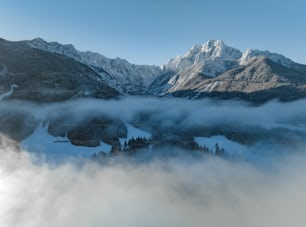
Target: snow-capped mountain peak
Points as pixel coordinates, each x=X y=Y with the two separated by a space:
x=214 y=65
x=218 y=49
x=213 y=58
x=212 y=44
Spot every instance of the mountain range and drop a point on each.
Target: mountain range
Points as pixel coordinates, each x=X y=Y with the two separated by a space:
x=36 y=75
x=49 y=71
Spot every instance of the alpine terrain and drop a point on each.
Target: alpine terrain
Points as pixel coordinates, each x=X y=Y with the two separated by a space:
x=209 y=70
x=54 y=97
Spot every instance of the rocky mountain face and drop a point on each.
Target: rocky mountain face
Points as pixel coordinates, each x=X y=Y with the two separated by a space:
x=117 y=73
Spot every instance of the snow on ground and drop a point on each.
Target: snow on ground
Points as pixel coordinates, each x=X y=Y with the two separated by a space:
x=211 y=86
x=214 y=85
x=41 y=142
x=229 y=146
x=134 y=133
x=10 y=92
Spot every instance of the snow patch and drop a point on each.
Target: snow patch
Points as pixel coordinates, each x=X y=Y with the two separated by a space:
x=9 y=93
x=41 y=142
x=214 y=85
x=134 y=132
x=3 y=72
x=211 y=86
x=229 y=146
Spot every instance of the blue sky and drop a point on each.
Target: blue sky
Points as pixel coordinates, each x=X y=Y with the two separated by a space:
x=153 y=31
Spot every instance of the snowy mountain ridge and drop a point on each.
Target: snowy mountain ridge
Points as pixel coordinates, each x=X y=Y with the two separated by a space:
x=200 y=69
x=215 y=57
x=224 y=72
x=117 y=72
x=277 y=58
x=212 y=57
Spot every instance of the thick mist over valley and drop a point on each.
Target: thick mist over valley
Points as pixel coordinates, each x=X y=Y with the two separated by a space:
x=166 y=120
x=181 y=191
x=257 y=181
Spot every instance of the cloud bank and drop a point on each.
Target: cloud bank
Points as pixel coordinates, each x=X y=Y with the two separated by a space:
x=188 y=113
x=176 y=192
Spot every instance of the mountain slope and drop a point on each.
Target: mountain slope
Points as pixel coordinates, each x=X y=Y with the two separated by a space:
x=117 y=73
x=32 y=74
x=260 y=80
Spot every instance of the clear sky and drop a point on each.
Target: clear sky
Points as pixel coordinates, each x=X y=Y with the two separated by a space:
x=153 y=31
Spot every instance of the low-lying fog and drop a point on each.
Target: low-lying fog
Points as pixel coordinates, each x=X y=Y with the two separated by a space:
x=173 y=111
x=179 y=190
x=176 y=192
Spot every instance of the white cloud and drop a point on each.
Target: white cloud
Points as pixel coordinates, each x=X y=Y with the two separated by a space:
x=208 y=192
x=181 y=191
